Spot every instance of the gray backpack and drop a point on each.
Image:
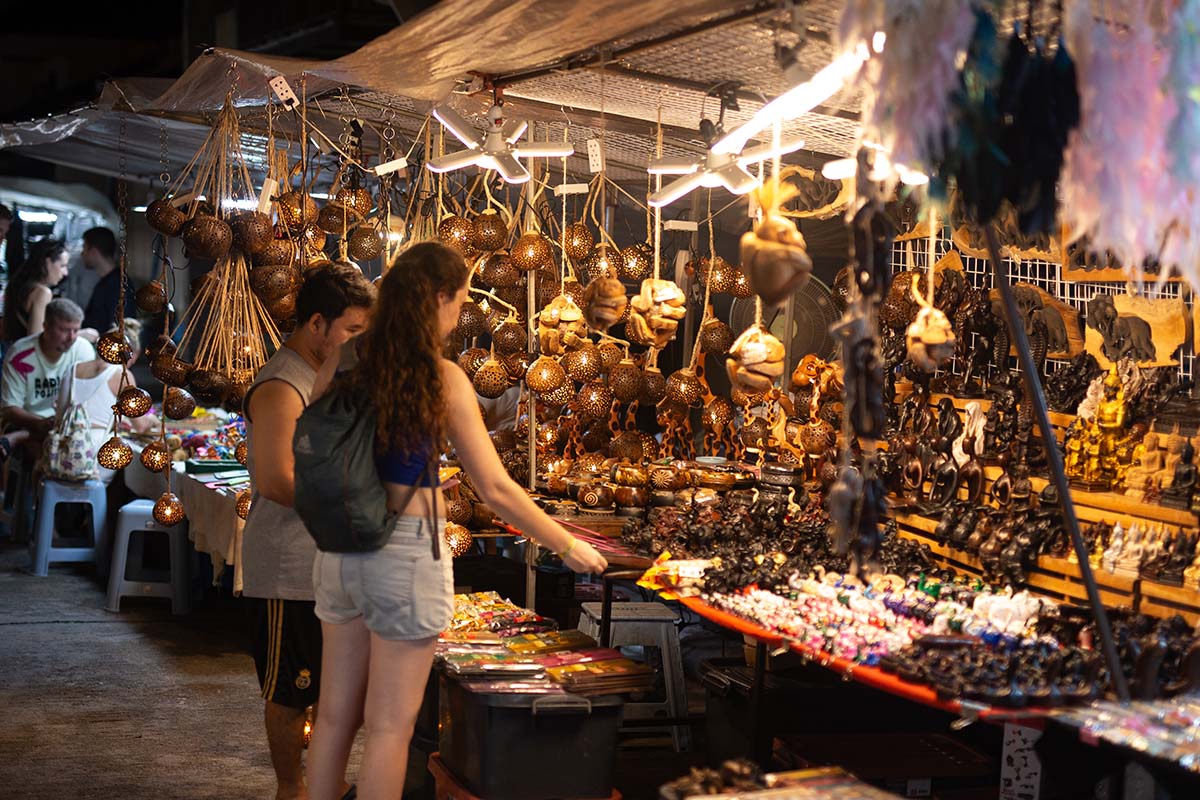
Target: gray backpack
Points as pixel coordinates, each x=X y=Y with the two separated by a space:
x=339 y=496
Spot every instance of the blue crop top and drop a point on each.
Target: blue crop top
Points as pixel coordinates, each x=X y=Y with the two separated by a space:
x=411 y=470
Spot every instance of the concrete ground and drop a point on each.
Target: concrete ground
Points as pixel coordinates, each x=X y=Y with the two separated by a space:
x=139 y=704
x=143 y=704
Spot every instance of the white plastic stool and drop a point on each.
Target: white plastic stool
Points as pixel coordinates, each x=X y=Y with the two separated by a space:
x=135 y=516
x=647 y=625
x=53 y=494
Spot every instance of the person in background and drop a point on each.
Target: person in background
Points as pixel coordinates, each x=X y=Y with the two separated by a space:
x=381 y=612
x=100 y=256
x=333 y=306
x=6 y=220
x=30 y=289
x=34 y=370
x=96 y=386
x=79 y=283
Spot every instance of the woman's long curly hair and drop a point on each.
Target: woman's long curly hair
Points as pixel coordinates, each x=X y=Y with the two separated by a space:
x=398 y=360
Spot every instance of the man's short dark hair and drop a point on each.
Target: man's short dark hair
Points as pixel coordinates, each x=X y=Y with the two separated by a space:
x=330 y=289
x=62 y=309
x=5 y=212
x=103 y=240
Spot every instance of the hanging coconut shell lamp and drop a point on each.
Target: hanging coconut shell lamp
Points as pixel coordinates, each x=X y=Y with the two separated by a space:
x=654 y=385
x=114 y=454
x=531 y=252
x=489 y=232
x=578 y=241
x=112 y=347
x=134 y=402
x=168 y=510
x=583 y=363
x=458 y=539
x=545 y=375
x=366 y=242
x=715 y=337
x=635 y=262
x=594 y=401
x=242 y=452
x=151 y=298
x=207 y=236
x=472 y=359
x=559 y=397
x=156 y=456
x=625 y=380
x=178 y=404
x=277 y=251
x=457 y=232
x=164 y=217
x=252 y=231
x=242 y=505
x=209 y=387
x=684 y=387
x=491 y=379
x=610 y=355
x=509 y=338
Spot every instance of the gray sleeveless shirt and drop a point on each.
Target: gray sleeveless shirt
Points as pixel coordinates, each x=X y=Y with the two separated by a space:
x=277 y=551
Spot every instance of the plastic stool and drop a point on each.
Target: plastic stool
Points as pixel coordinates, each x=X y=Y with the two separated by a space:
x=648 y=625
x=135 y=516
x=53 y=494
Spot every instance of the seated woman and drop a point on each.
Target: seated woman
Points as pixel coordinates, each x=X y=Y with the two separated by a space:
x=96 y=384
x=30 y=289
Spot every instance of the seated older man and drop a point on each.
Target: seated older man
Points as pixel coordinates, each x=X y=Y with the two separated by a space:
x=34 y=370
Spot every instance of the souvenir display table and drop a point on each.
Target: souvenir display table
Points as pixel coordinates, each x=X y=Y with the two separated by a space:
x=210 y=496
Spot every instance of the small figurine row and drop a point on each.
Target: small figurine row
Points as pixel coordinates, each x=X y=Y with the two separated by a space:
x=1150 y=552
x=863 y=623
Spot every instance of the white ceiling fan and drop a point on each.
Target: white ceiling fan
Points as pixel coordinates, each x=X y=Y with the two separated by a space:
x=714 y=169
x=496 y=148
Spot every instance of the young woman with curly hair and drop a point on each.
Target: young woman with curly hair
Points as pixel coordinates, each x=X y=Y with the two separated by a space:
x=30 y=289
x=381 y=612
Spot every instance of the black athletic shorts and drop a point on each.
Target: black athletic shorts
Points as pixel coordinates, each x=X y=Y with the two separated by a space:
x=287 y=650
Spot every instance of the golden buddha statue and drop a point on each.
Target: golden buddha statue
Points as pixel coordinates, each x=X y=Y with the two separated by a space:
x=1143 y=473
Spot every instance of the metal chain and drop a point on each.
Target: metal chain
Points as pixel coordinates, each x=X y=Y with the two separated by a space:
x=165 y=176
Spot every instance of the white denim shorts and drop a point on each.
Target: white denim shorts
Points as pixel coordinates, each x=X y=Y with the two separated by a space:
x=399 y=590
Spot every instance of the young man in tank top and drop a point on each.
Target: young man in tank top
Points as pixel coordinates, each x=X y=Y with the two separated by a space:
x=333 y=306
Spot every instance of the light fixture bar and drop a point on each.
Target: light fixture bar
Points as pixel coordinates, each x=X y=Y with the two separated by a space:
x=798 y=100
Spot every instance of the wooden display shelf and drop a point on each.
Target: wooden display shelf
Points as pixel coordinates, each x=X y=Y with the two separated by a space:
x=1059 y=579
x=1164 y=600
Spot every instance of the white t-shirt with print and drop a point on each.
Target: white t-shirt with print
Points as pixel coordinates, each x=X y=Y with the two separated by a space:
x=30 y=381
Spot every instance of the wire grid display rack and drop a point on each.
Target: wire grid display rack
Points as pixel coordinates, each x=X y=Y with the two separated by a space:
x=1047 y=275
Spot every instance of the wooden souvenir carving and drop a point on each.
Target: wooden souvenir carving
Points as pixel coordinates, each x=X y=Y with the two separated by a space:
x=1127 y=326
x=1040 y=310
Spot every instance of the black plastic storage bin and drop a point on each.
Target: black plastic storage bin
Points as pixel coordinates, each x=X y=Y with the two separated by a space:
x=529 y=747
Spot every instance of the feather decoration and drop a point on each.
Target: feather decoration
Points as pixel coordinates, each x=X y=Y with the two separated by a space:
x=1116 y=185
x=1183 y=81
x=906 y=107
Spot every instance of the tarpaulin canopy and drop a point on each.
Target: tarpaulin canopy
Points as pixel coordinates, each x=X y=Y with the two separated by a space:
x=614 y=66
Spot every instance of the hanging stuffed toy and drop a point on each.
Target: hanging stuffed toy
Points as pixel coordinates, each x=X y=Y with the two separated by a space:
x=655 y=313
x=773 y=254
x=755 y=361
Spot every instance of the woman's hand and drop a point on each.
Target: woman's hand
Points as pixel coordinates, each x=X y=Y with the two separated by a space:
x=582 y=557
